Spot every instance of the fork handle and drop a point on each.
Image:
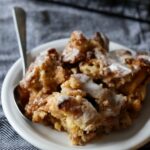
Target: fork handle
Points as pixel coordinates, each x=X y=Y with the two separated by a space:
x=19 y=17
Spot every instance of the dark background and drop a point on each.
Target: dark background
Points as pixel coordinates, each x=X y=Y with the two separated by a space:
x=123 y=21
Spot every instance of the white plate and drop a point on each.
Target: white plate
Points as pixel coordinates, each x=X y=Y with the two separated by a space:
x=49 y=139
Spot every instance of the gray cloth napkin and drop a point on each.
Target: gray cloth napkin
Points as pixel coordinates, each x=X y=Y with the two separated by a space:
x=47 y=22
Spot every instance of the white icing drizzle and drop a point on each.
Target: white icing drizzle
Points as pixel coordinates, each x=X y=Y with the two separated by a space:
x=41 y=58
x=118 y=64
x=81 y=77
x=88 y=116
x=30 y=74
x=38 y=62
x=101 y=56
x=120 y=99
x=88 y=119
x=98 y=54
x=78 y=34
x=114 y=111
x=120 y=68
x=89 y=86
x=62 y=98
x=71 y=54
x=114 y=62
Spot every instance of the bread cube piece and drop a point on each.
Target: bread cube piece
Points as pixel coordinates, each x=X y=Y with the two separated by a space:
x=43 y=77
x=80 y=48
x=76 y=48
x=77 y=116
